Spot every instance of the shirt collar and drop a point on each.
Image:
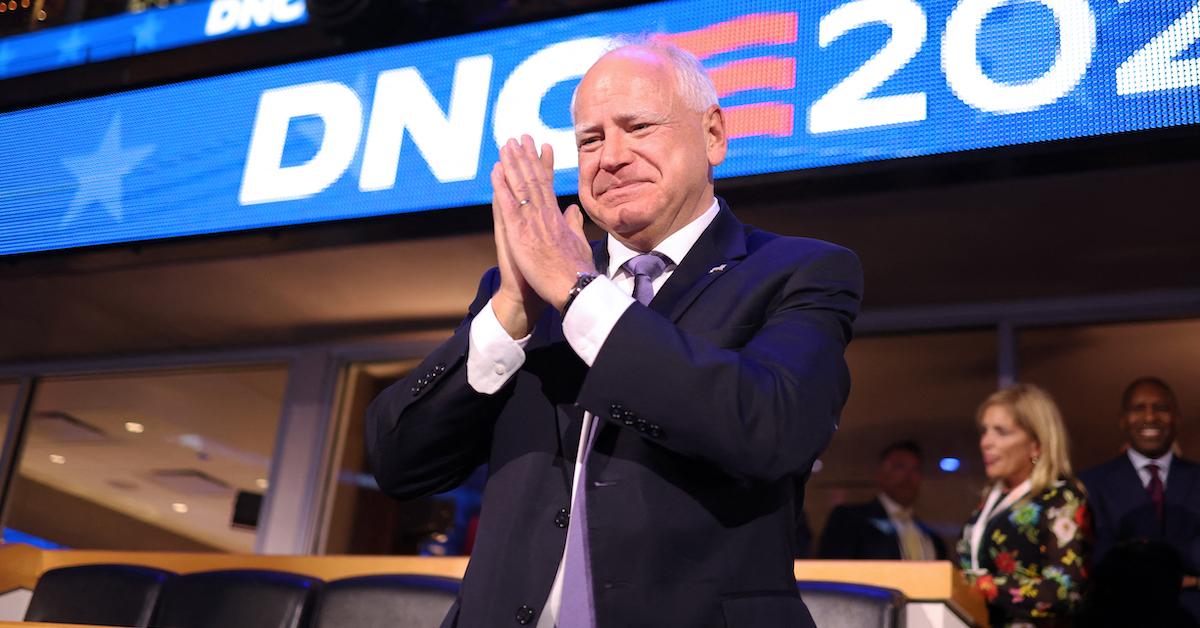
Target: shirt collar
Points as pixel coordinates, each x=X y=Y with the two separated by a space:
x=1139 y=461
x=892 y=507
x=675 y=246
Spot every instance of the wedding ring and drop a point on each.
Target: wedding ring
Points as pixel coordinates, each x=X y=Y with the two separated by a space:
x=524 y=202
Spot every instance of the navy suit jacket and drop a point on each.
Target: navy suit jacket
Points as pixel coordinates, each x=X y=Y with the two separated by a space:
x=712 y=400
x=1121 y=511
x=864 y=532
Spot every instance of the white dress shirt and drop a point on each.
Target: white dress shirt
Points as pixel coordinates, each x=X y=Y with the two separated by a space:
x=1139 y=463
x=493 y=356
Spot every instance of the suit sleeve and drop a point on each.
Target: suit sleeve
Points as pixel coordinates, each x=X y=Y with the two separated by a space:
x=1104 y=528
x=760 y=412
x=838 y=536
x=426 y=433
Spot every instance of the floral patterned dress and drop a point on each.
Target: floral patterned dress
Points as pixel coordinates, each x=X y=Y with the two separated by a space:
x=1035 y=554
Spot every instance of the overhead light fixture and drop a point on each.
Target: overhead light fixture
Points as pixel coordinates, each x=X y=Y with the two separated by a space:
x=179 y=507
x=133 y=427
x=261 y=483
x=949 y=464
x=58 y=459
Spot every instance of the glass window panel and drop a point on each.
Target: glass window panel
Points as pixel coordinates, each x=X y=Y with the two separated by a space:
x=8 y=395
x=922 y=387
x=1087 y=367
x=147 y=460
x=362 y=520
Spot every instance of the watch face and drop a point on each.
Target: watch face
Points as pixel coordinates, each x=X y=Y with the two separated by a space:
x=584 y=279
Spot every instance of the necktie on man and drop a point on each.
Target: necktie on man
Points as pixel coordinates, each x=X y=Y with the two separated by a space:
x=1155 y=488
x=911 y=545
x=645 y=269
x=578 y=609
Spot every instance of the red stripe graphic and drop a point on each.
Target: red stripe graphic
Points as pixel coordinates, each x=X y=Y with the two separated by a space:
x=749 y=30
x=762 y=72
x=759 y=119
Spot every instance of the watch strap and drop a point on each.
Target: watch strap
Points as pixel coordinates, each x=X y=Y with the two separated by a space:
x=581 y=281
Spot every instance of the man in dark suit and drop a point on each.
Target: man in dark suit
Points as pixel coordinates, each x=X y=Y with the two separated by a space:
x=1148 y=492
x=643 y=427
x=885 y=528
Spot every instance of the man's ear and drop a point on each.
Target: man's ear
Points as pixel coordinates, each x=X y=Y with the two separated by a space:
x=715 y=141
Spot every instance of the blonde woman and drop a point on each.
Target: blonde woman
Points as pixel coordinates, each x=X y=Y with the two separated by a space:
x=1026 y=546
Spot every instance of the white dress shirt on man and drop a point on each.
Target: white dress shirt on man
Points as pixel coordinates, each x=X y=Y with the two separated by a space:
x=1140 y=463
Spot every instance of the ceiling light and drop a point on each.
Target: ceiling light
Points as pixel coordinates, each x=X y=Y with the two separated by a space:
x=179 y=507
x=134 y=427
x=949 y=464
x=57 y=459
x=261 y=483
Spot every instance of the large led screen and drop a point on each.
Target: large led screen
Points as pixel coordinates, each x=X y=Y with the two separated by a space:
x=130 y=34
x=804 y=83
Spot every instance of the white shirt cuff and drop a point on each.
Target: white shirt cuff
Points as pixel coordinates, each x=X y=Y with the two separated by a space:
x=492 y=355
x=592 y=316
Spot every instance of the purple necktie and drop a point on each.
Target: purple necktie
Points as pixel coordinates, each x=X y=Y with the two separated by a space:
x=645 y=269
x=577 y=609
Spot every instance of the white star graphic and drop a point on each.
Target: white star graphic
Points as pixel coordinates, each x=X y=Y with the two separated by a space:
x=146 y=33
x=99 y=174
x=73 y=49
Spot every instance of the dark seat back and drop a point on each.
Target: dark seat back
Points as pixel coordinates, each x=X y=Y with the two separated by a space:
x=236 y=598
x=104 y=595
x=841 y=605
x=387 y=601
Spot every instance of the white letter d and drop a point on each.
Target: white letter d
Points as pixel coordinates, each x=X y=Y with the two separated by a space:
x=265 y=180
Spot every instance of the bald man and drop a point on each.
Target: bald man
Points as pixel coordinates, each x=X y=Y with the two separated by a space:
x=647 y=404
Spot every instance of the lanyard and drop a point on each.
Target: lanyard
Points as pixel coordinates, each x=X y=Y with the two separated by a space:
x=991 y=509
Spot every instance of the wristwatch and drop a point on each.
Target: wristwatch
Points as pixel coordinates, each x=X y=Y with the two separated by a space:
x=581 y=282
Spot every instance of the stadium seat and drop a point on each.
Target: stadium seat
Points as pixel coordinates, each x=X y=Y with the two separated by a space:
x=385 y=601
x=225 y=599
x=841 y=605
x=103 y=595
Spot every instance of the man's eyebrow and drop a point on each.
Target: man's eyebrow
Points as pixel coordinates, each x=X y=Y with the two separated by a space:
x=642 y=115
x=582 y=128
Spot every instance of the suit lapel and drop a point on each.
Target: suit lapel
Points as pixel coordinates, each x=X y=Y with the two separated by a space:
x=889 y=542
x=600 y=255
x=1179 y=485
x=719 y=249
x=1128 y=486
x=1179 y=481
x=721 y=245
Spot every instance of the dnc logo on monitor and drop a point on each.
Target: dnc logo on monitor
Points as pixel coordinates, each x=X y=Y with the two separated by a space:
x=804 y=84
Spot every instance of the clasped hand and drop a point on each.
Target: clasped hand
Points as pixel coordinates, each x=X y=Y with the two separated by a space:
x=540 y=249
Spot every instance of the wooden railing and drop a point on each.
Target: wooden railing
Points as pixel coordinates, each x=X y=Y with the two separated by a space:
x=920 y=581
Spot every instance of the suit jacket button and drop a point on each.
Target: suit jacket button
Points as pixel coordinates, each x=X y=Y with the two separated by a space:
x=416 y=390
x=525 y=614
x=642 y=426
x=439 y=368
x=562 y=518
x=629 y=419
x=655 y=431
